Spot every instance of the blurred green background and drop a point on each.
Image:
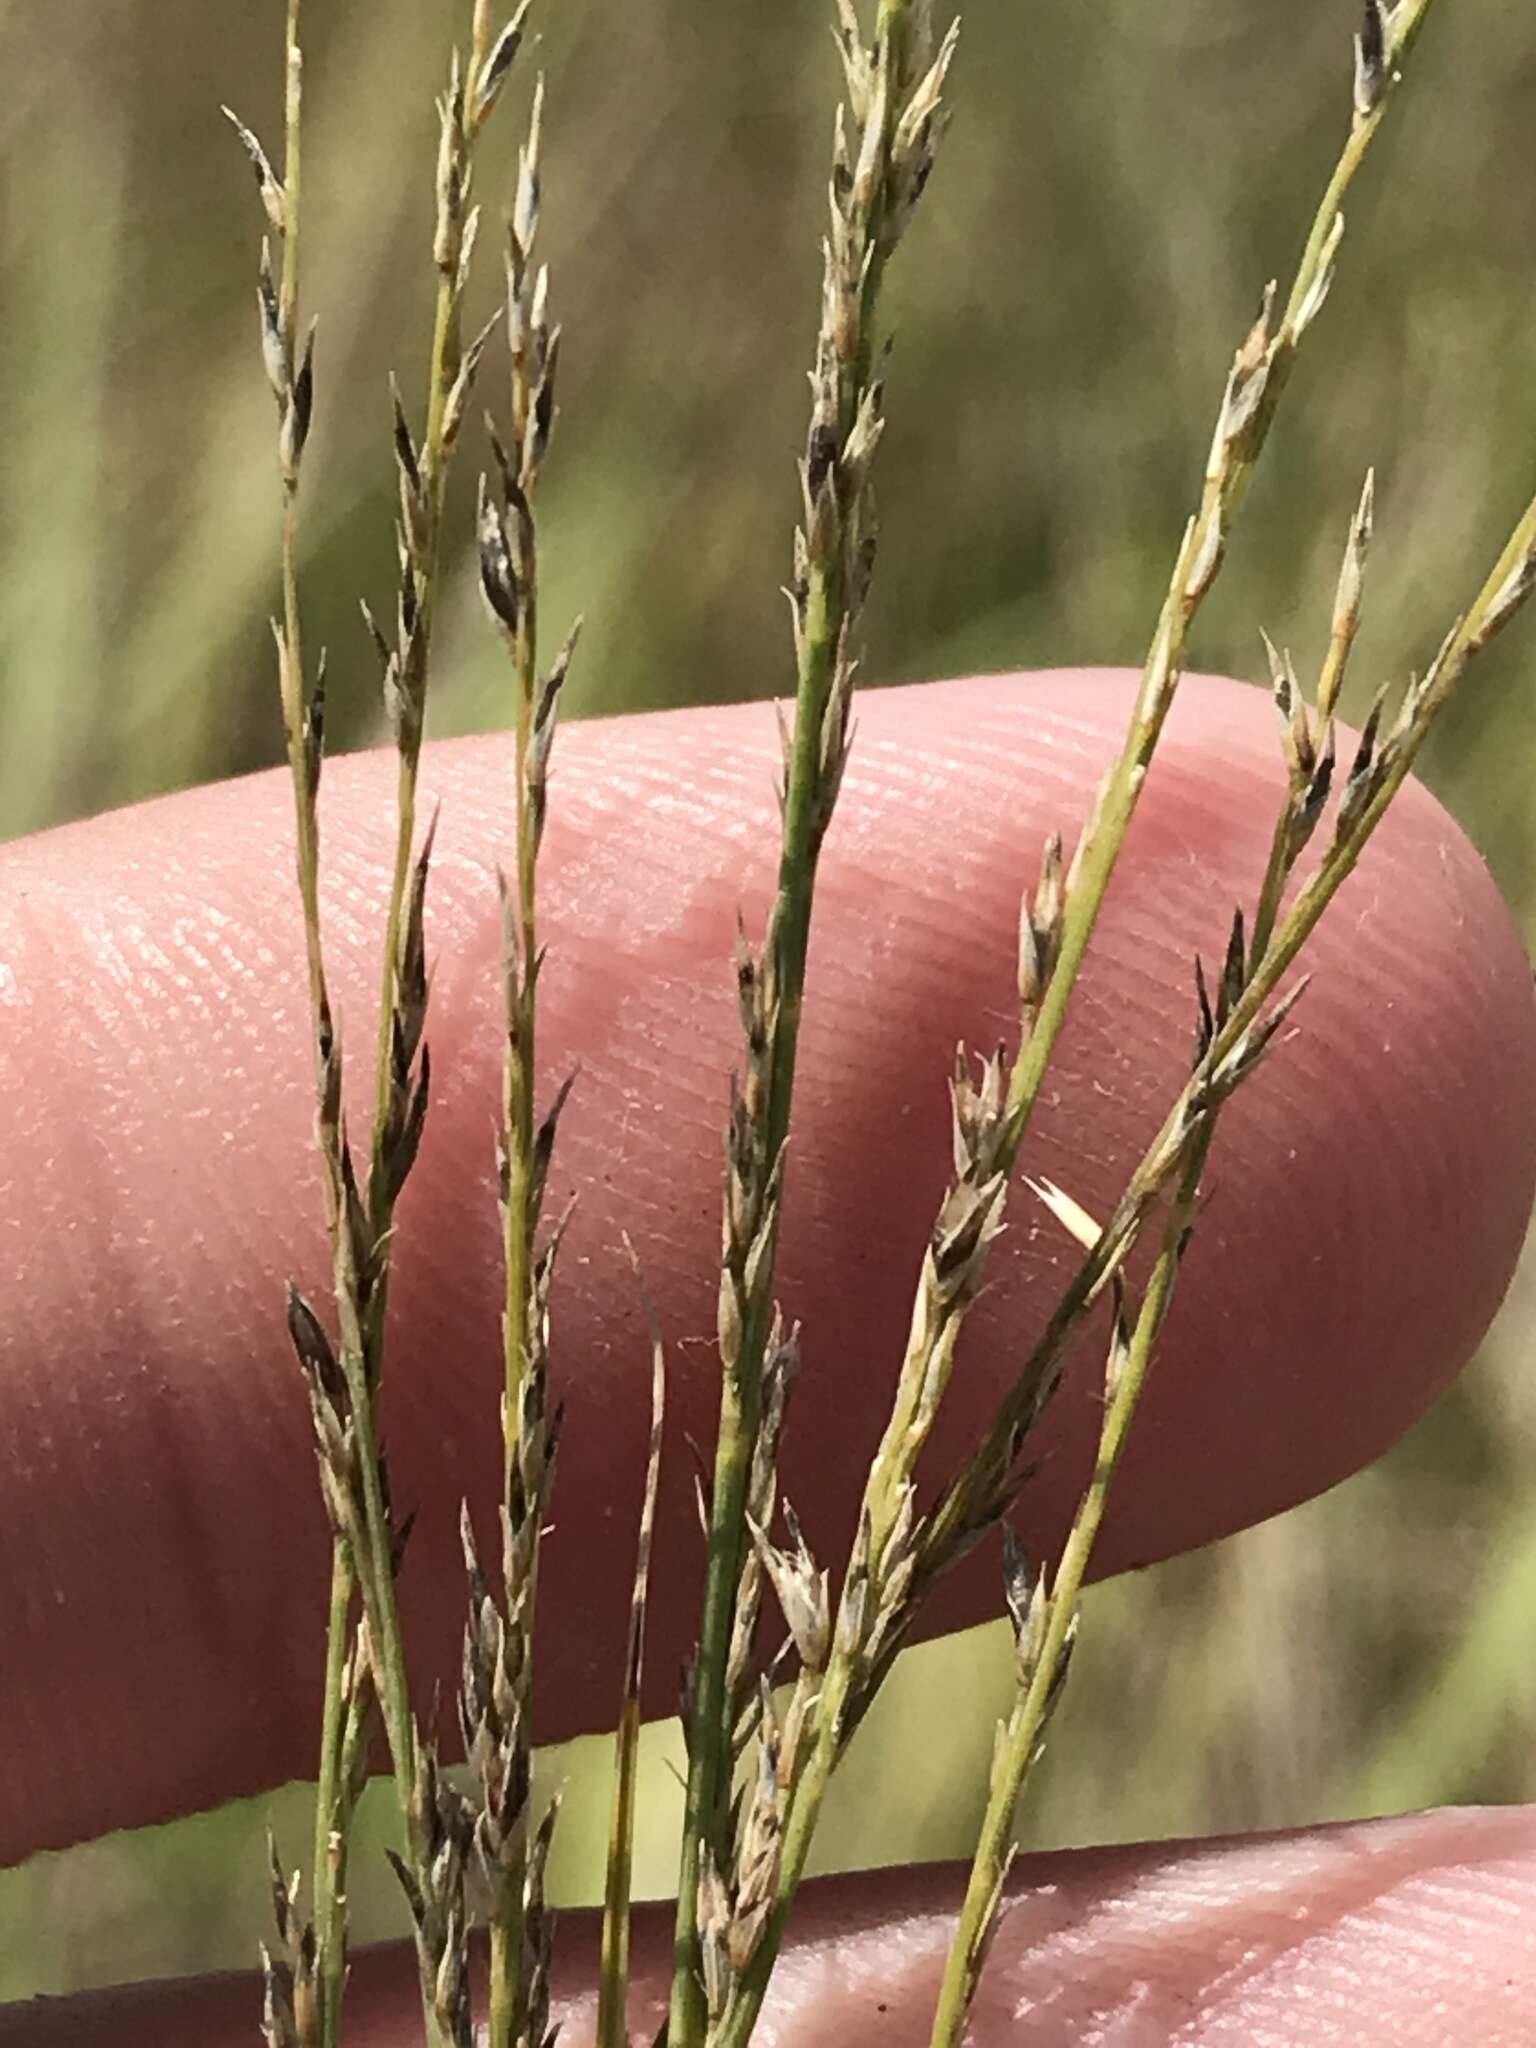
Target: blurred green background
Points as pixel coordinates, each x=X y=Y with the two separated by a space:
x=1121 y=180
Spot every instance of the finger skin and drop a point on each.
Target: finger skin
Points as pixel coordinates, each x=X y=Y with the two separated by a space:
x=1416 y=1932
x=160 y=1536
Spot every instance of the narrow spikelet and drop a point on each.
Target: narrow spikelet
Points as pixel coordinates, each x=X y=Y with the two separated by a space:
x=273 y=198
x=1295 y=725
x=278 y=2027
x=497 y=579
x=1370 y=61
x=276 y=344
x=1205 y=1024
x=452 y=178
x=1508 y=599
x=781 y=1366
x=456 y=404
x=290 y=1987
x=1069 y=1212
x=1233 y=968
x=297 y=412
x=1346 y=604
x=538 y=1924
x=1366 y=769
x=1315 y=297
x=1021 y=1578
x=713 y=1912
x=493 y=73
x=759 y=1846
x=801 y=1591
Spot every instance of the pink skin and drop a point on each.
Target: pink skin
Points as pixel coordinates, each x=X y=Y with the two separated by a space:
x=159 y=1535
x=1418 y=1932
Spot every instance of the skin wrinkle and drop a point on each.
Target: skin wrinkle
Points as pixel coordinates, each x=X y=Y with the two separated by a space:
x=1166 y=1954
x=1330 y=1977
x=1206 y=1946
x=897 y=977
x=1225 y=1933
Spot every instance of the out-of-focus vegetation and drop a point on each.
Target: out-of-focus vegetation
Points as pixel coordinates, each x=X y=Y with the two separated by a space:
x=1121 y=181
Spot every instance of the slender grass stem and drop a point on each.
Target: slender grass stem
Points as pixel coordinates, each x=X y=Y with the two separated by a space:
x=1249 y=404
x=875 y=185
x=498 y=1696
x=748 y=1831
x=400 y=1078
x=443 y=367
x=711 y=1760
x=507 y=1923
x=302 y=710
x=1374 y=783
x=1046 y=1634
x=504 y=1971
x=344 y=1388
x=1260 y=376
x=331 y=1831
x=613 y=1969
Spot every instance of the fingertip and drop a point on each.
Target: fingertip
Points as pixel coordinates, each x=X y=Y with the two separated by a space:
x=1369 y=1187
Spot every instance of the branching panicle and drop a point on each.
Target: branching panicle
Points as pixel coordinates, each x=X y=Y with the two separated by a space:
x=365 y=1658
x=764 y=1732
x=883 y=151
x=291 y=1987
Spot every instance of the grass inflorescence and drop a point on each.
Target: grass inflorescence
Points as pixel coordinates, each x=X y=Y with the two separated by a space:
x=764 y=1732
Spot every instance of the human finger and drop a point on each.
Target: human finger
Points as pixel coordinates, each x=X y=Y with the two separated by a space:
x=160 y=1533
x=1419 y=1931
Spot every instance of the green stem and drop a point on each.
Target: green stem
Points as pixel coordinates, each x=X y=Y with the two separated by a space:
x=1026 y=1726
x=377 y=1585
x=1269 y=958
x=505 y=1972
x=1223 y=497
x=508 y=1983
x=711 y=1758
x=331 y=1805
x=1104 y=837
x=613 y=1975
x=328 y=1881
x=1291 y=934
x=1277 y=872
x=364 y=1364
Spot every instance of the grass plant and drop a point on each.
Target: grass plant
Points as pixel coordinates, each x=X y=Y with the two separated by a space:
x=765 y=1733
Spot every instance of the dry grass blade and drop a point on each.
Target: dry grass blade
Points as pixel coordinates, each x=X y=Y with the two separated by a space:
x=613 y=1969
